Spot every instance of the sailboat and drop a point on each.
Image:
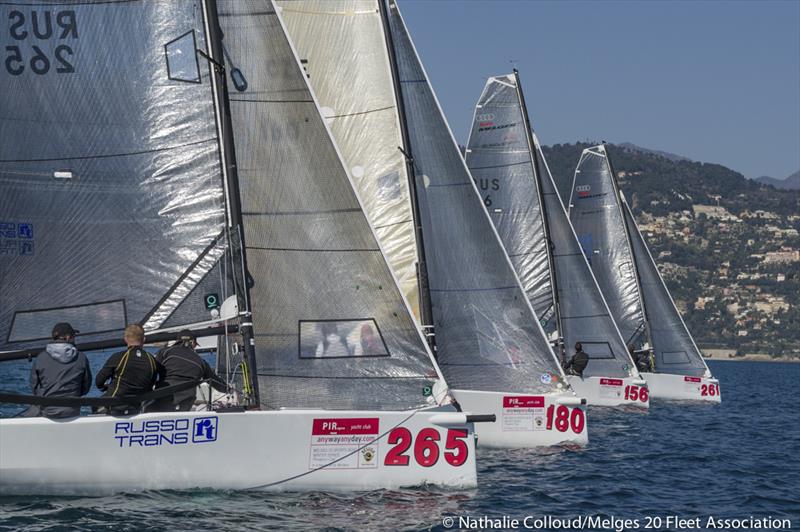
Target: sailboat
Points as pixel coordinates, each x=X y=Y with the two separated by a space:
x=178 y=174
x=419 y=194
x=507 y=163
x=637 y=296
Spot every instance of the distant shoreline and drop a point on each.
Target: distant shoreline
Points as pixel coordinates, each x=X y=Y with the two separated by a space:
x=755 y=358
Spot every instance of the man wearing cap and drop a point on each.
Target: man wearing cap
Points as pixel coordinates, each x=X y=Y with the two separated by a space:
x=183 y=364
x=131 y=372
x=60 y=371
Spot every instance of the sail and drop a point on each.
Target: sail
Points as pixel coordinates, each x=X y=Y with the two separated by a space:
x=585 y=316
x=500 y=163
x=597 y=219
x=113 y=204
x=342 y=46
x=487 y=335
x=331 y=327
x=673 y=346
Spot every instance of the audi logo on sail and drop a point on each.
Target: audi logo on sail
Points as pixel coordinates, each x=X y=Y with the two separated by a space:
x=583 y=190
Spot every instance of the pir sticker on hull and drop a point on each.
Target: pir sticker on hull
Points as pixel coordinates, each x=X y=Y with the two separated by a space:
x=523 y=413
x=155 y=432
x=344 y=443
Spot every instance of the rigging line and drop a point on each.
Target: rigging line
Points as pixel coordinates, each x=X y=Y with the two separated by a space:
x=309 y=250
x=393 y=223
x=357 y=450
x=583 y=317
x=474 y=289
x=362 y=112
x=243 y=100
x=109 y=155
x=499 y=165
x=568 y=254
x=418 y=378
x=298 y=213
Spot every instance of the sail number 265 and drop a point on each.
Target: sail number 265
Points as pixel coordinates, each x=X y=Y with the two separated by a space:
x=426 y=447
x=32 y=29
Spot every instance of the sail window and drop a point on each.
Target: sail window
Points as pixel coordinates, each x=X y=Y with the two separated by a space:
x=182 y=63
x=89 y=319
x=598 y=350
x=675 y=357
x=341 y=339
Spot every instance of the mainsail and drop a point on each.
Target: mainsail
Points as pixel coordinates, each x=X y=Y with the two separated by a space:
x=113 y=204
x=343 y=49
x=332 y=328
x=596 y=215
x=604 y=222
x=521 y=194
x=487 y=334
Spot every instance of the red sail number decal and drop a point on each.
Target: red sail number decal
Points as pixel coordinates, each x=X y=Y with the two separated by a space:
x=707 y=390
x=634 y=393
x=426 y=447
x=400 y=437
x=563 y=420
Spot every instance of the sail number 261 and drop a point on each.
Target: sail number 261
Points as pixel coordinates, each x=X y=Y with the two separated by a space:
x=32 y=30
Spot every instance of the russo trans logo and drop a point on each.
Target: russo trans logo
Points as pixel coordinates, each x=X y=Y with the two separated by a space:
x=157 y=432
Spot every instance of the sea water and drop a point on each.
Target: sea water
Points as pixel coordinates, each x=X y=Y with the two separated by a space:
x=673 y=468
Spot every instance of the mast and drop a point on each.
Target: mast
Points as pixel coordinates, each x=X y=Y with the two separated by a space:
x=545 y=225
x=618 y=198
x=426 y=313
x=231 y=177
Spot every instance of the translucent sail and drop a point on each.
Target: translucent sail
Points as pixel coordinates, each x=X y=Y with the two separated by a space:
x=331 y=326
x=487 y=335
x=500 y=162
x=112 y=208
x=597 y=218
x=342 y=46
x=673 y=345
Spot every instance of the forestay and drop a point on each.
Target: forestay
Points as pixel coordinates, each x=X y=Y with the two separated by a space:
x=673 y=346
x=597 y=218
x=500 y=162
x=487 y=335
x=342 y=47
x=332 y=328
x=113 y=205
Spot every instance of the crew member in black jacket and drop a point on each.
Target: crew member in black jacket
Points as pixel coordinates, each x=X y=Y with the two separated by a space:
x=129 y=373
x=183 y=364
x=578 y=362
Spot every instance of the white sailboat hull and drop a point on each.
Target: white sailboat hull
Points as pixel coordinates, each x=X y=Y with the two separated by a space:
x=526 y=420
x=273 y=450
x=607 y=391
x=683 y=388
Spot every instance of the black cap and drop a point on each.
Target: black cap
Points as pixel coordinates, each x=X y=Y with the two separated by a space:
x=185 y=335
x=63 y=330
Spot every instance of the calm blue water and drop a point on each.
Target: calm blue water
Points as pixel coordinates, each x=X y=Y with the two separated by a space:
x=736 y=460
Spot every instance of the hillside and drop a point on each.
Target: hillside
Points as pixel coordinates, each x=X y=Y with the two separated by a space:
x=790 y=183
x=727 y=246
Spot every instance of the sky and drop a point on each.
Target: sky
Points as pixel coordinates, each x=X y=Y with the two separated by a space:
x=715 y=81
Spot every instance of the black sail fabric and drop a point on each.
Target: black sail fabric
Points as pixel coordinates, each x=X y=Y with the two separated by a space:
x=500 y=160
x=597 y=219
x=112 y=208
x=673 y=345
x=332 y=329
x=487 y=334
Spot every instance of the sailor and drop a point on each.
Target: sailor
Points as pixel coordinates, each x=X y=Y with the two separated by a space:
x=60 y=371
x=578 y=362
x=183 y=364
x=642 y=363
x=129 y=373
